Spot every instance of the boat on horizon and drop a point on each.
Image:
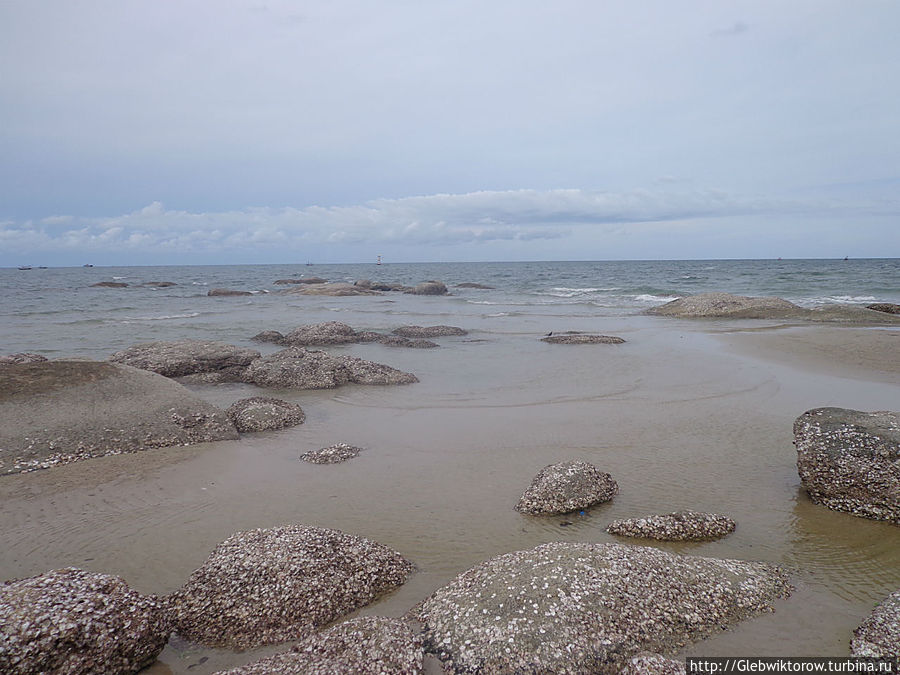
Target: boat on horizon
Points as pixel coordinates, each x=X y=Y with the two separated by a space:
x=24 y=267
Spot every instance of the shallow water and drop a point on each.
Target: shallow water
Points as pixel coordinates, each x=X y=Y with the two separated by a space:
x=678 y=415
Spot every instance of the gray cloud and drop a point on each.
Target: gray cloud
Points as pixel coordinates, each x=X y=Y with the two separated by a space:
x=737 y=28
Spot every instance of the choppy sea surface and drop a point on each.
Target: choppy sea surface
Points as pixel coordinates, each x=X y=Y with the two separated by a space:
x=58 y=312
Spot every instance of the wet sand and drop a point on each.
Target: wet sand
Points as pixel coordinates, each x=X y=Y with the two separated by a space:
x=684 y=415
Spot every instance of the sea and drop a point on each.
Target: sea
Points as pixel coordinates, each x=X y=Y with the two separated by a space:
x=684 y=414
x=58 y=312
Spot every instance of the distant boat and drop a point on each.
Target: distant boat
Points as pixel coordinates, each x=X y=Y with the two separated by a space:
x=87 y=265
x=379 y=261
x=24 y=267
x=846 y=258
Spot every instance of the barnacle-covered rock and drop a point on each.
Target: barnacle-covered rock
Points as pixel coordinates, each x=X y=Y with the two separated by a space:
x=587 y=608
x=728 y=305
x=299 y=368
x=73 y=622
x=677 y=526
x=428 y=331
x=879 y=634
x=850 y=461
x=333 y=454
x=261 y=413
x=567 y=486
x=186 y=357
x=22 y=357
x=328 y=333
x=371 y=645
x=272 y=585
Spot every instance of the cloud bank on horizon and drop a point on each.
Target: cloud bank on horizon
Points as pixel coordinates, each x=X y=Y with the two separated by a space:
x=517 y=129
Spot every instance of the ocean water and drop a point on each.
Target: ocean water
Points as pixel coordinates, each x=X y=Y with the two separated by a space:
x=679 y=415
x=57 y=312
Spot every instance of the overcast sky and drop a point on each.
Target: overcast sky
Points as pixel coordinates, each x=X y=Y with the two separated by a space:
x=223 y=131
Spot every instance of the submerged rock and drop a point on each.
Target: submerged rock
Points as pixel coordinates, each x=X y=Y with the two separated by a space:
x=267 y=586
x=22 y=357
x=588 y=608
x=76 y=622
x=185 y=357
x=160 y=284
x=850 y=461
x=582 y=339
x=469 y=284
x=299 y=368
x=213 y=292
x=303 y=280
x=727 y=305
x=333 y=454
x=428 y=331
x=678 y=526
x=428 y=288
x=110 y=284
x=398 y=341
x=565 y=487
x=369 y=645
x=261 y=413
x=879 y=634
x=57 y=412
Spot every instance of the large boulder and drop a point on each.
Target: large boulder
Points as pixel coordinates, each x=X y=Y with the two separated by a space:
x=879 y=634
x=76 y=622
x=261 y=413
x=428 y=288
x=186 y=357
x=56 y=412
x=428 y=331
x=267 y=586
x=299 y=368
x=588 y=608
x=678 y=526
x=369 y=645
x=715 y=305
x=850 y=461
x=565 y=487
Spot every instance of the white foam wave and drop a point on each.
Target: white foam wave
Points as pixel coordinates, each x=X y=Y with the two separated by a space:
x=119 y=278
x=647 y=297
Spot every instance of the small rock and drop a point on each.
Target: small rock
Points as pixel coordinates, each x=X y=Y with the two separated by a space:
x=333 y=454
x=582 y=340
x=72 y=621
x=428 y=331
x=369 y=645
x=565 y=487
x=428 y=288
x=260 y=413
x=267 y=586
x=226 y=292
x=269 y=336
x=678 y=526
x=879 y=634
x=887 y=307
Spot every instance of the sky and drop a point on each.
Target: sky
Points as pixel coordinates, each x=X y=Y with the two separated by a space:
x=222 y=131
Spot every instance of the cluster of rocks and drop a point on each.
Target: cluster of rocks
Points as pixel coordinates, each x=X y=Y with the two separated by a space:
x=361 y=287
x=291 y=368
x=849 y=460
x=677 y=526
x=267 y=586
x=337 y=333
x=565 y=487
x=577 y=608
x=333 y=454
